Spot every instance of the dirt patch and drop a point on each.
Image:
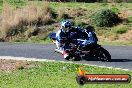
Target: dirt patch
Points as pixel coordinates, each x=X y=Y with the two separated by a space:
x=126 y=36
x=12 y=65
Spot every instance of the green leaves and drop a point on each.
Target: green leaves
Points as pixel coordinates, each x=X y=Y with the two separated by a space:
x=105 y=18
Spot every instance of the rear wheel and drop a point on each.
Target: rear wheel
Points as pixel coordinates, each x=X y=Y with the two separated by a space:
x=104 y=55
x=76 y=58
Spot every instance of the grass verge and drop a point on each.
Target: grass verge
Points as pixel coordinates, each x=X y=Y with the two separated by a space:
x=53 y=75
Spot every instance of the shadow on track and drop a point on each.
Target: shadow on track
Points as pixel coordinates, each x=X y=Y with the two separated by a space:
x=121 y=60
x=112 y=60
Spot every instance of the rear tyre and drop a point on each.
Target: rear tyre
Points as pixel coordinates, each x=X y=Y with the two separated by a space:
x=104 y=55
x=76 y=58
x=67 y=58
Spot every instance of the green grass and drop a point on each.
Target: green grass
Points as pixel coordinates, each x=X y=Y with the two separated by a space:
x=16 y=3
x=34 y=40
x=52 y=75
x=1 y=5
x=89 y=6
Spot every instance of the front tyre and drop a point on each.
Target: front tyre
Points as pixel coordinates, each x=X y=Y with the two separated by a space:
x=66 y=55
x=70 y=56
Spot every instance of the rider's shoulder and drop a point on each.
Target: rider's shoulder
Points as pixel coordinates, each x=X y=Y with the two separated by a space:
x=60 y=30
x=78 y=28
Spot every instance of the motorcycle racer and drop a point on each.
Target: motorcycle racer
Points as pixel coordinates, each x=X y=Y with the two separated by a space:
x=61 y=35
x=86 y=38
x=66 y=35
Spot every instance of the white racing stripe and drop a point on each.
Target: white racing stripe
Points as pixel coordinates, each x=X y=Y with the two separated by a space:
x=47 y=60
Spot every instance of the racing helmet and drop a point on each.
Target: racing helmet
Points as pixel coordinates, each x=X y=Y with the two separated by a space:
x=65 y=25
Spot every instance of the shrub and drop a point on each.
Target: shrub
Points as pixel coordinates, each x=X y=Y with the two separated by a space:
x=115 y=10
x=129 y=1
x=13 y=22
x=105 y=18
x=89 y=1
x=127 y=36
x=120 y=29
x=16 y=3
x=120 y=1
x=62 y=14
x=130 y=19
x=103 y=1
x=71 y=13
x=78 y=23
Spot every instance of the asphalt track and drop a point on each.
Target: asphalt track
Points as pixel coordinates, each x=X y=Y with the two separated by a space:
x=121 y=55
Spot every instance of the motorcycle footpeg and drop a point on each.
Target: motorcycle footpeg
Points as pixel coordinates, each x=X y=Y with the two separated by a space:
x=59 y=51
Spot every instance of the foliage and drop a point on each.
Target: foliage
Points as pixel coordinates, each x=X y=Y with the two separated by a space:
x=130 y=19
x=88 y=1
x=20 y=25
x=120 y=29
x=16 y=3
x=115 y=10
x=105 y=18
x=81 y=24
x=15 y=22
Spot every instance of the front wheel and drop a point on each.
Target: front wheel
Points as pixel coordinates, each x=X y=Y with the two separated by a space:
x=66 y=55
x=104 y=55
